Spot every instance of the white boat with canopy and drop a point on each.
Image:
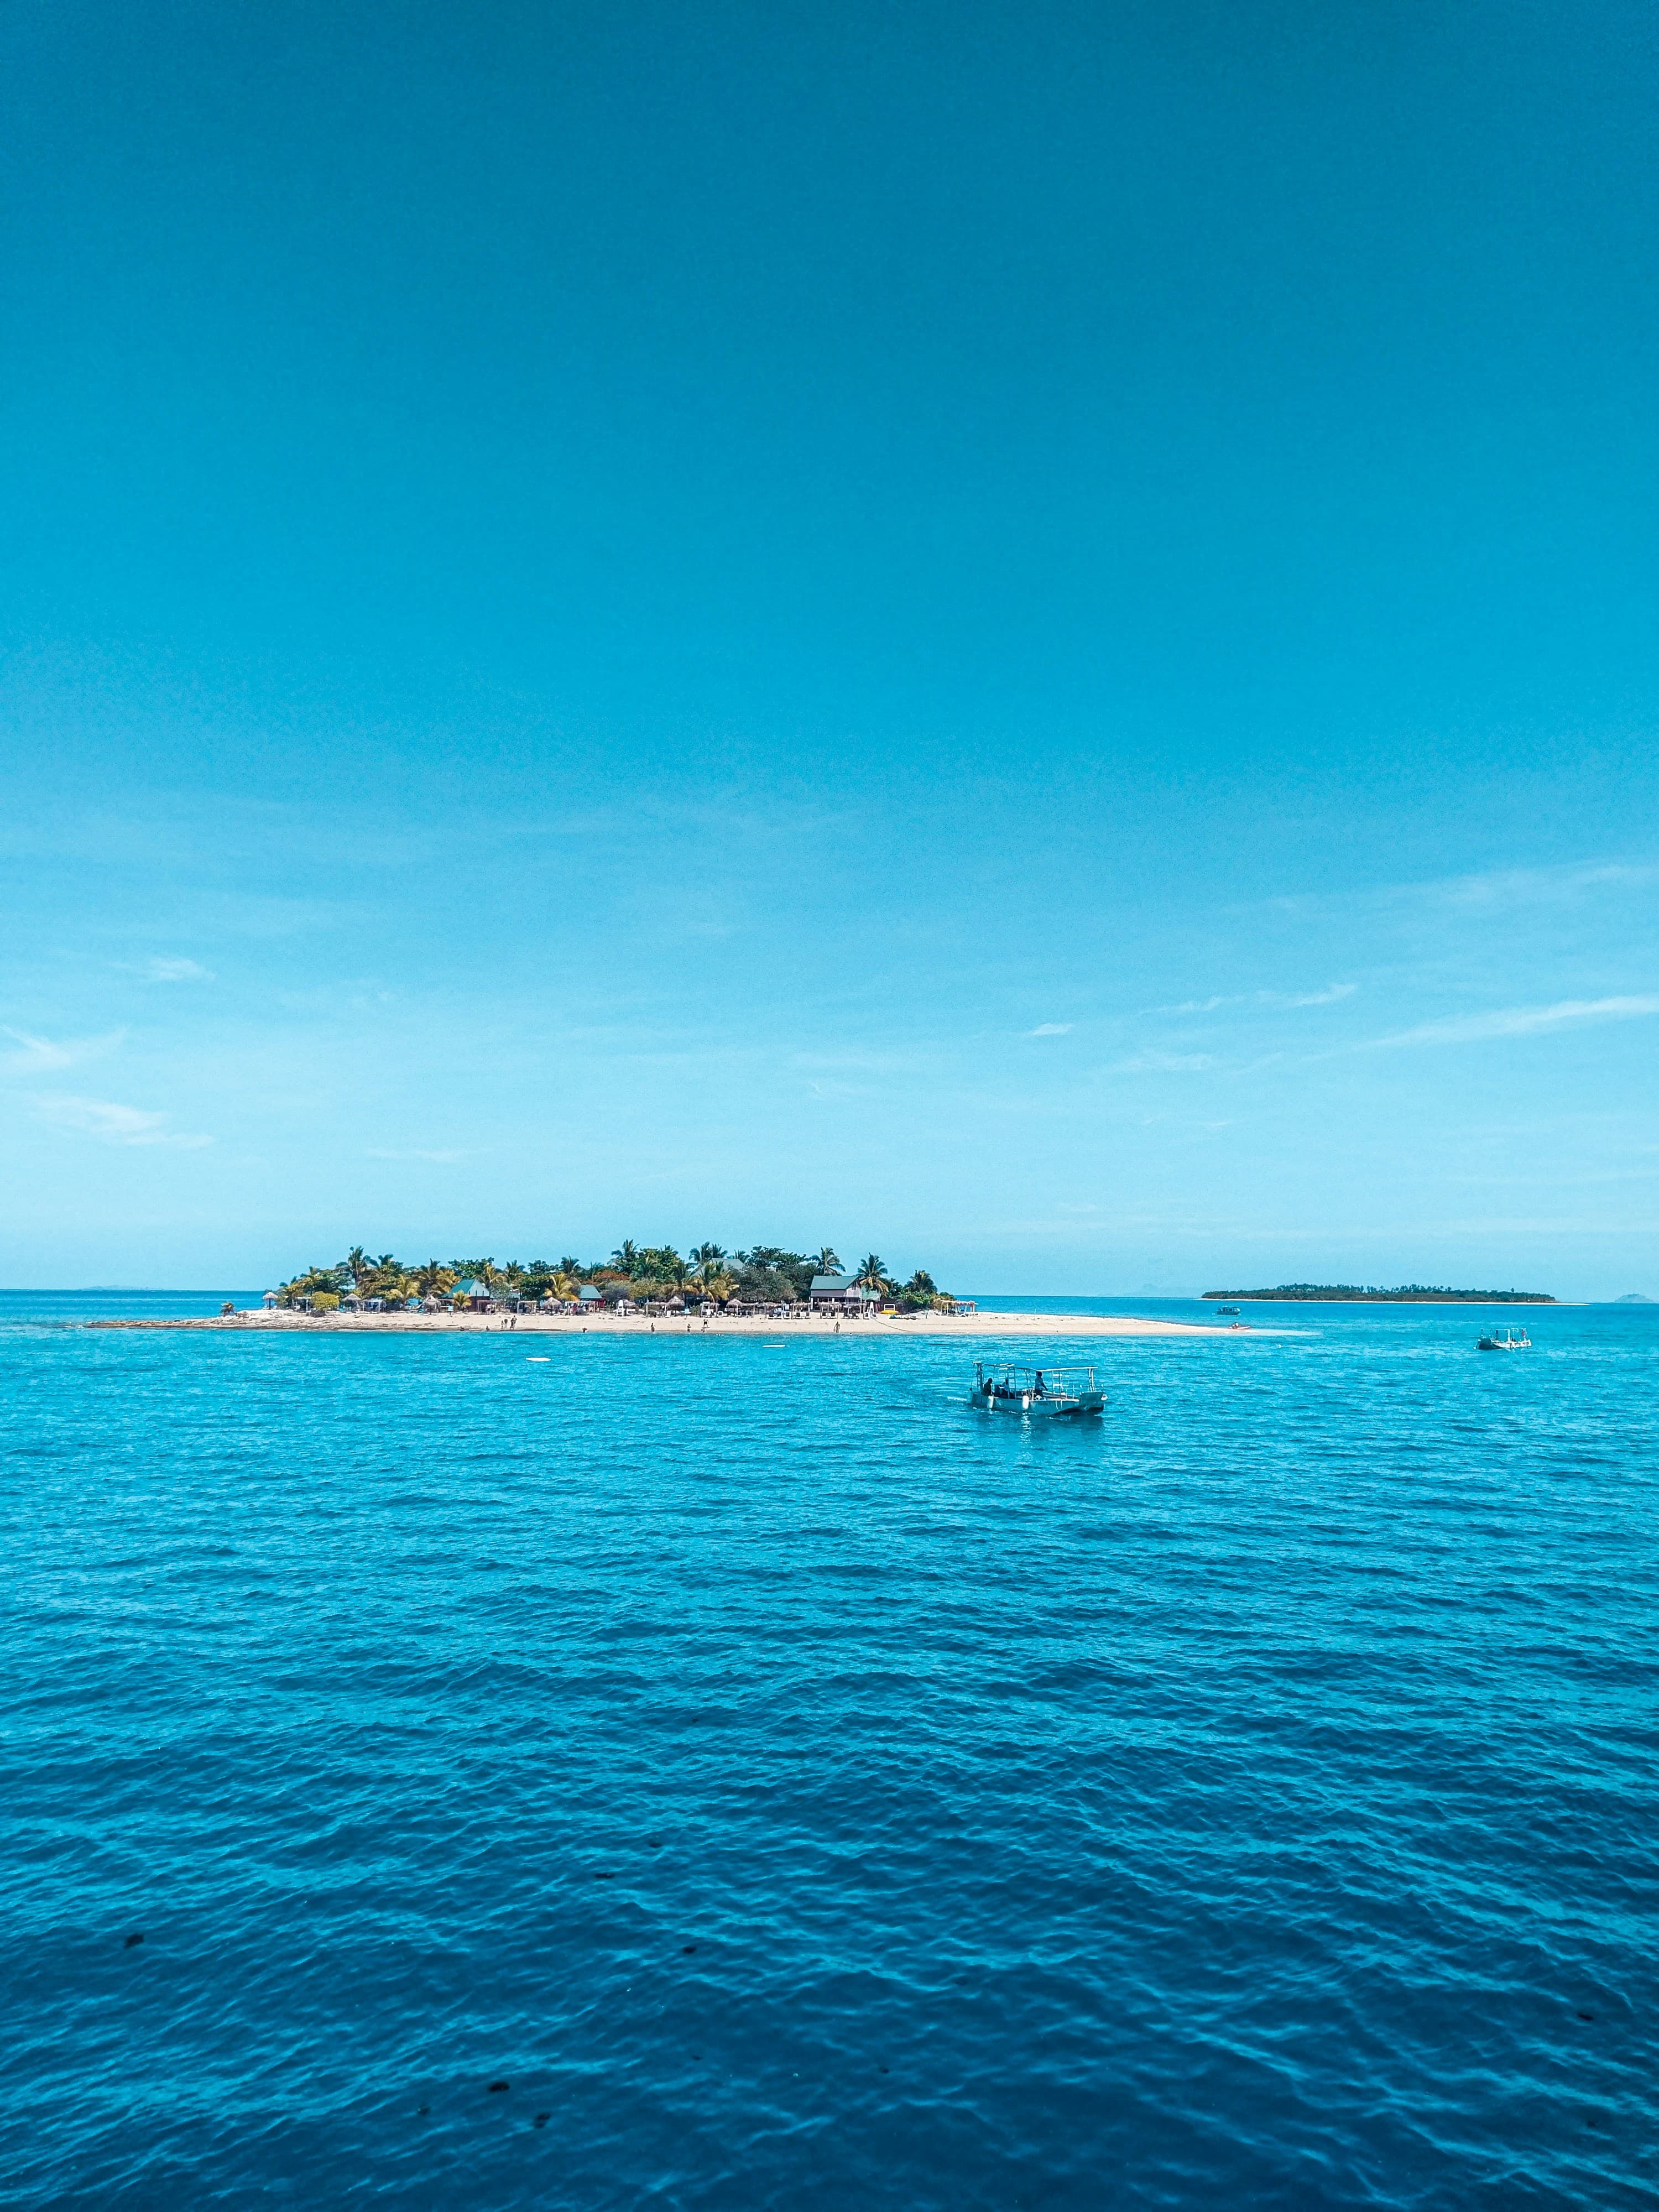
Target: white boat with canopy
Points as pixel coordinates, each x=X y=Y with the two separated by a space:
x=1044 y=1393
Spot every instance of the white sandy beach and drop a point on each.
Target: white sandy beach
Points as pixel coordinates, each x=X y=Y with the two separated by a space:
x=966 y=1326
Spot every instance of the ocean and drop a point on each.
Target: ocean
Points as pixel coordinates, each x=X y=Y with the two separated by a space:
x=479 y=1771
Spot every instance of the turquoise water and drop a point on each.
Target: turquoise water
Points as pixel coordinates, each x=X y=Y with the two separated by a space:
x=802 y=1790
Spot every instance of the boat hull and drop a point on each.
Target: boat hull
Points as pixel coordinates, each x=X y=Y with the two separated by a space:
x=1041 y=1409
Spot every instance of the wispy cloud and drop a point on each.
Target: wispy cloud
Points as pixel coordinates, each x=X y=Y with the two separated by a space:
x=1498 y=890
x=39 y=1055
x=1281 y=999
x=1164 y=1063
x=110 y=1123
x=1533 y=886
x=1327 y=998
x=1051 y=1028
x=1519 y=1021
x=161 y=969
x=445 y=1158
x=862 y=1063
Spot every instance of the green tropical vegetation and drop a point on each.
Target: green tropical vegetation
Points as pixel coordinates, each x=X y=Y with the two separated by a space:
x=764 y=1274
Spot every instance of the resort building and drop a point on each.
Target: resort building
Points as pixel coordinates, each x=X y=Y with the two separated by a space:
x=841 y=1294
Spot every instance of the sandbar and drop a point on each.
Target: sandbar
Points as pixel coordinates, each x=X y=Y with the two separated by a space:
x=966 y=1326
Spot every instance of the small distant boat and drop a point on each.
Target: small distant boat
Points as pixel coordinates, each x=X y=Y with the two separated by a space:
x=1044 y=1393
x=1230 y=1309
x=1508 y=1342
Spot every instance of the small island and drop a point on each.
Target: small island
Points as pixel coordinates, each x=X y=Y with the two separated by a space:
x=1406 y=1294
x=648 y=1279
x=644 y=1289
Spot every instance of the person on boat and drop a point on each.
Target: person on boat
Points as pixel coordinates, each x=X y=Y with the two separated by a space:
x=1038 y=1390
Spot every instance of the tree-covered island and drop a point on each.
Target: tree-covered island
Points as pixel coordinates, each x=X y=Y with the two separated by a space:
x=637 y=1277
x=1407 y=1294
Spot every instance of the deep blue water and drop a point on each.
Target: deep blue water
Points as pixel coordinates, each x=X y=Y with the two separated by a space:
x=805 y=1791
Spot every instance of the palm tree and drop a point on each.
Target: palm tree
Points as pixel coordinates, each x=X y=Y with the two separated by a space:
x=829 y=1261
x=385 y=1277
x=434 y=1281
x=570 y=1265
x=708 y=1258
x=358 y=1263
x=872 y=1272
x=627 y=1257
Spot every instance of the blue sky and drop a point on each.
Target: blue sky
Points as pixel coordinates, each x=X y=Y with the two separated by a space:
x=1026 y=636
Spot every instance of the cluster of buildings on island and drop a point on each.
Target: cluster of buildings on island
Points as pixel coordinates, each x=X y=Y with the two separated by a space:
x=827 y=1294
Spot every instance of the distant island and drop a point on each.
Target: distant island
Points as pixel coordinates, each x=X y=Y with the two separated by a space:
x=1407 y=1294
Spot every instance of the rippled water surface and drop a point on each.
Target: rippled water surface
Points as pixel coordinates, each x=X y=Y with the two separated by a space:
x=801 y=1790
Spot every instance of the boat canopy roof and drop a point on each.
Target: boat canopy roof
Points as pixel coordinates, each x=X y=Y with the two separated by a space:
x=1054 y=1378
